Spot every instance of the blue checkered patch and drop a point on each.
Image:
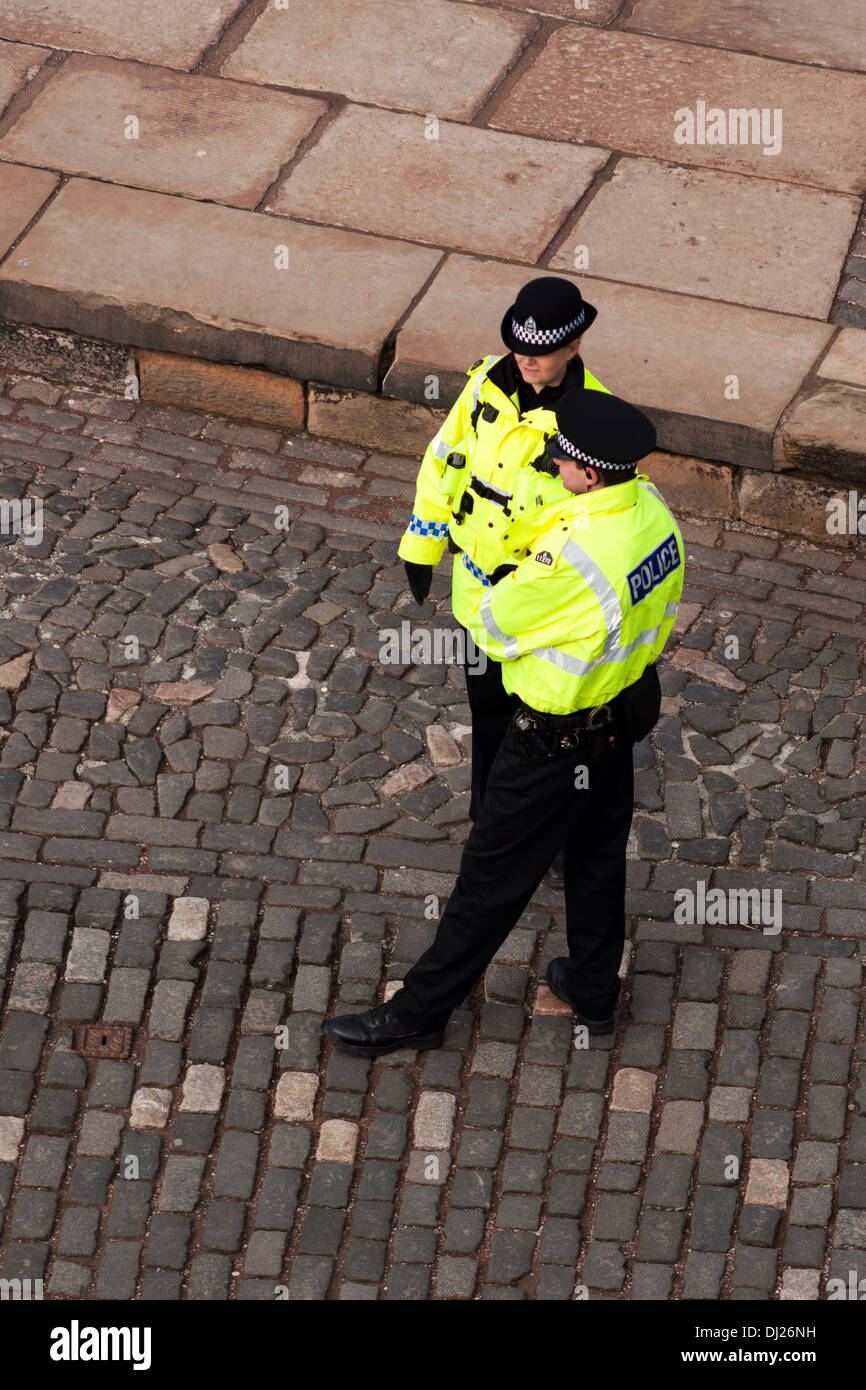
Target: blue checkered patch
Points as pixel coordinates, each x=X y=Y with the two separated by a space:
x=419 y=527
x=653 y=569
x=475 y=571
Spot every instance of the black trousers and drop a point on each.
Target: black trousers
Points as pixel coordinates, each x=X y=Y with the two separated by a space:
x=492 y=711
x=532 y=809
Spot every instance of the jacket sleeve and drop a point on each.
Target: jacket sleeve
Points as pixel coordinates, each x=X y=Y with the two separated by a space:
x=537 y=607
x=425 y=538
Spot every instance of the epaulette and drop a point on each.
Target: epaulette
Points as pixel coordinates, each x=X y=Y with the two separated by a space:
x=548 y=547
x=476 y=365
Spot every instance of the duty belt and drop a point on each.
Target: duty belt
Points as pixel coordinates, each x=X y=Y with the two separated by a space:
x=549 y=734
x=594 y=719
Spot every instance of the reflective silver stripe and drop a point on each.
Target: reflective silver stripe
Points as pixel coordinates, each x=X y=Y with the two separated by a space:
x=491 y=359
x=611 y=608
x=439 y=447
x=442 y=450
x=600 y=586
x=643 y=639
x=490 y=623
x=609 y=656
x=648 y=487
x=571 y=664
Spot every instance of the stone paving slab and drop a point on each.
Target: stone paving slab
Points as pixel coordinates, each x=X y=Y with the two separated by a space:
x=846 y=360
x=779 y=28
x=155 y=868
x=668 y=353
x=507 y=195
x=520 y=96
x=154 y=31
x=200 y=136
x=826 y=430
x=425 y=55
x=18 y=63
x=579 y=11
x=165 y=272
x=22 y=193
x=632 y=86
x=702 y=232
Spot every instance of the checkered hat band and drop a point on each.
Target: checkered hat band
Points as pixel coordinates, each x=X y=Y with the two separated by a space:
x=575 y=453
x=545 y=337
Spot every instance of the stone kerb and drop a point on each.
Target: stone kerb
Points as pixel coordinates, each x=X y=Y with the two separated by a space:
x=714 y=377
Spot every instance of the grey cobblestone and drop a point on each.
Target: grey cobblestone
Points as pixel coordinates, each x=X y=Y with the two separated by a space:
x=316 y=889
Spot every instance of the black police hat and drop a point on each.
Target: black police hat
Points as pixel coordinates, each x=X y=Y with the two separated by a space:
x=600 y=430
x=547 y=314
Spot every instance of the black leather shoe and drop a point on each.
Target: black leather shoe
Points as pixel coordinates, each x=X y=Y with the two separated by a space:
x=377 y=1031
x=556 y=978
x=556 y=872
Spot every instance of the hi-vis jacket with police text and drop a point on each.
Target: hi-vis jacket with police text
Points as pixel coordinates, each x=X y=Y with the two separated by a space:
x=592 y=606
x=476 y=483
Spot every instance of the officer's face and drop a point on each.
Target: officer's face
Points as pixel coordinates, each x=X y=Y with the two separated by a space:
x=576 y=478
x=549 y=369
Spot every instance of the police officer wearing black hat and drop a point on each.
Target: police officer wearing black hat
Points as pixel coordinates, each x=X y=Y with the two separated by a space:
x=578 y=625
x=480 y=475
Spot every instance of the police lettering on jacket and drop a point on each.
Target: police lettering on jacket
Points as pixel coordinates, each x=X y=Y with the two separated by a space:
x=653 y=569
x=593 y=605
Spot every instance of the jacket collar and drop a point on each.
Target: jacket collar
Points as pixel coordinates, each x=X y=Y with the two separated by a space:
x=606 y=501
x=505 y=375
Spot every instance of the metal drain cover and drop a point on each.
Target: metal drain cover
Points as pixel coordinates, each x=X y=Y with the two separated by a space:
x=103 y=1040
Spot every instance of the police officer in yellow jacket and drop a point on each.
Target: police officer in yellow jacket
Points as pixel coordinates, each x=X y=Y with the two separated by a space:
x=578 y=624
x=479 y=486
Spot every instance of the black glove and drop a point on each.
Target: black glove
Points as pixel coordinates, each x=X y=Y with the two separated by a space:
x=420 y=578
x=500 y=572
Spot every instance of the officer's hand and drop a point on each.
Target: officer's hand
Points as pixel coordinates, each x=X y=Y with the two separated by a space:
x=500 y=572
x=420 y=578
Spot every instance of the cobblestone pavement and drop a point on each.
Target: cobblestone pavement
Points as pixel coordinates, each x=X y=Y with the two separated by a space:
x=279 y=808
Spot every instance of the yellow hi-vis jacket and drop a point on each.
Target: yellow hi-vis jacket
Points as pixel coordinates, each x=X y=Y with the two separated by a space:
x=475 y=483
x=592 y=606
